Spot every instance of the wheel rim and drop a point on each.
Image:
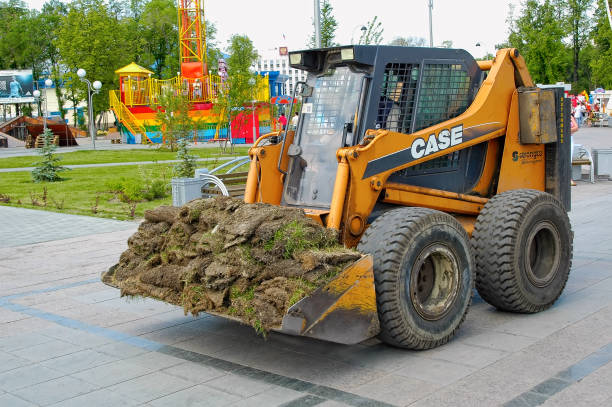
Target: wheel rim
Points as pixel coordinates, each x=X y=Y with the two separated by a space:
x=434 y=282
x=543 y=255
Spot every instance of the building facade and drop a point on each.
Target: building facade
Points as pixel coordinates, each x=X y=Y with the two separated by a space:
x=277 y=59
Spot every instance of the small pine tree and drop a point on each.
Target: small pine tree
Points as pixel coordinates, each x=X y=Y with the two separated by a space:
x=47 y=170
x=186 y=167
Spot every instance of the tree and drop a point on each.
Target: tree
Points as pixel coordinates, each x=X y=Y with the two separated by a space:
x=373 y=33
x=538 y=34
x=446 y=44
x=92 y=38
x=409 y=41
x=160 y=34
x=238 y=91
x=173 y=115
x=328 y=27
x=48 y=169
x=602 y=39
x=213 y=53
x=578 y=23
x=12 y=36
x=185 y=168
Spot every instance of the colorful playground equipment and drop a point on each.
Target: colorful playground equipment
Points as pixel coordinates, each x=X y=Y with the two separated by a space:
x=136 y=101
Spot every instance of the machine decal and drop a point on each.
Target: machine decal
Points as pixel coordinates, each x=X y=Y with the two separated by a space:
x=422 y=147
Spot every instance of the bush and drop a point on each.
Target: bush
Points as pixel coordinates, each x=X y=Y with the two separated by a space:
x=136 y=190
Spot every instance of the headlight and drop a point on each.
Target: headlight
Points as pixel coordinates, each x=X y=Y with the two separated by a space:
x=347 y=54
x=295 y=59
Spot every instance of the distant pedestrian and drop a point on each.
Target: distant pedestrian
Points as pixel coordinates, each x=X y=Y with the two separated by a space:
x=578 y=114
x=294 y=120
x=283 y=121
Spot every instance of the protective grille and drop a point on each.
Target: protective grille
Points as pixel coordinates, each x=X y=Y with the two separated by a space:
x=444 y=94
x=396 y=106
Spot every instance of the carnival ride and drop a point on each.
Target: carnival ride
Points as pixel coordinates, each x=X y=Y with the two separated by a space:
x=136 y=101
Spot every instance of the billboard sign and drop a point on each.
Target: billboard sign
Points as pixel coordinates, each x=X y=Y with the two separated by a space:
x=16 y=86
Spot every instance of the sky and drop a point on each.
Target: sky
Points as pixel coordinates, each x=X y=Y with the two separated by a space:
x=464 y=22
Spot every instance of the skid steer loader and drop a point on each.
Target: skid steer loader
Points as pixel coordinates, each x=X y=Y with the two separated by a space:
x=446 y=171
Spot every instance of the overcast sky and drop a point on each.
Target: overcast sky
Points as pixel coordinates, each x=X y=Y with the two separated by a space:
x=465 y=22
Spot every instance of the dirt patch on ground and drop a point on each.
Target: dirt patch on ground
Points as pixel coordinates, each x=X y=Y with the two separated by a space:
x=249 y=261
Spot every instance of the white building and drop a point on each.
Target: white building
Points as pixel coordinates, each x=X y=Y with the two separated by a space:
x=272 y=60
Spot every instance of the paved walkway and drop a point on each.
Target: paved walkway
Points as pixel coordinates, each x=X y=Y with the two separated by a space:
x=119 y=164
x=85 y=144
x=68 y=340
x=19 y=226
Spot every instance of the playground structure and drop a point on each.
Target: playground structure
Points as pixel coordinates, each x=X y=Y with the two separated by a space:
x=136 y=101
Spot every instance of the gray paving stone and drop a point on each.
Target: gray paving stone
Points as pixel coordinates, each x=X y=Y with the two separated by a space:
x=272 y=397
x=24 y=226
x=150 y=387
x=15 y=342
x=121 y=350
x=238 y=385
x=112 y=373
x=435 y=371
x=9 y=400
x=196 y=396
x=55 y=390
x=398 y=390
x=98 y=398
x=10 y=316
x=78 y=361
x=26 y=376
x=47 y=350
x=194 y=372
x=10 y=362
x=76 y=337
x=464 y=354
x=155 y=360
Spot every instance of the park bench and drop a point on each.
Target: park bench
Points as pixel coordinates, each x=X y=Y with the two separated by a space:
x=582 y=156
x=235 y=183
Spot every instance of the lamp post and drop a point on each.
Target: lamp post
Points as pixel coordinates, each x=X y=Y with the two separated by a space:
x=92 y=89
x=363 y=30
x=252 y=83
x=430 y=5
x=37 y=96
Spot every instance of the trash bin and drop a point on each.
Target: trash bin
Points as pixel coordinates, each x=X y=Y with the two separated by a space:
x=185 y=190
x=603 y=162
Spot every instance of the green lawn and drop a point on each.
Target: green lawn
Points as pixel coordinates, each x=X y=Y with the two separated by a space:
x=116 y=156
x=85 y=191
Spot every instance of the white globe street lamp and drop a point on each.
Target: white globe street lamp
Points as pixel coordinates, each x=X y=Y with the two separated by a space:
x=92 y=89
x=37 y=95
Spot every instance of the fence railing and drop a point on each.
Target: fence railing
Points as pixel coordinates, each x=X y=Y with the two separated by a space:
x=126 y=117
x=146 y=91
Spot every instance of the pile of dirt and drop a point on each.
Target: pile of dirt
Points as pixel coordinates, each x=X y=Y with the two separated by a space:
x=248 y=261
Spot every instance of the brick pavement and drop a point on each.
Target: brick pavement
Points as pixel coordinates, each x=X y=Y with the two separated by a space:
x=66 y=339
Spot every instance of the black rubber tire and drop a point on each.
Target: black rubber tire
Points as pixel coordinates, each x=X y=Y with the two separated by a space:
x=396 y=240
x=511 y=227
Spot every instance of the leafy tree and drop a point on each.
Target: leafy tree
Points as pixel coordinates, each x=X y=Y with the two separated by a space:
x=409 y=41
x=538 y=34
x=373 y=33
x=578 y=23
x=328 y=27
x=92 y=38
x=12 y=36
x=602 y=38
x=48 y=169
x=238 y=91
x=160 y=34
x=173 y=115
x=187 y=164
x=213 y=53
x=446 y=44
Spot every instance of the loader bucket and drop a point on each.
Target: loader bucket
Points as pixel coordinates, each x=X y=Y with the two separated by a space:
x=342 y=311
